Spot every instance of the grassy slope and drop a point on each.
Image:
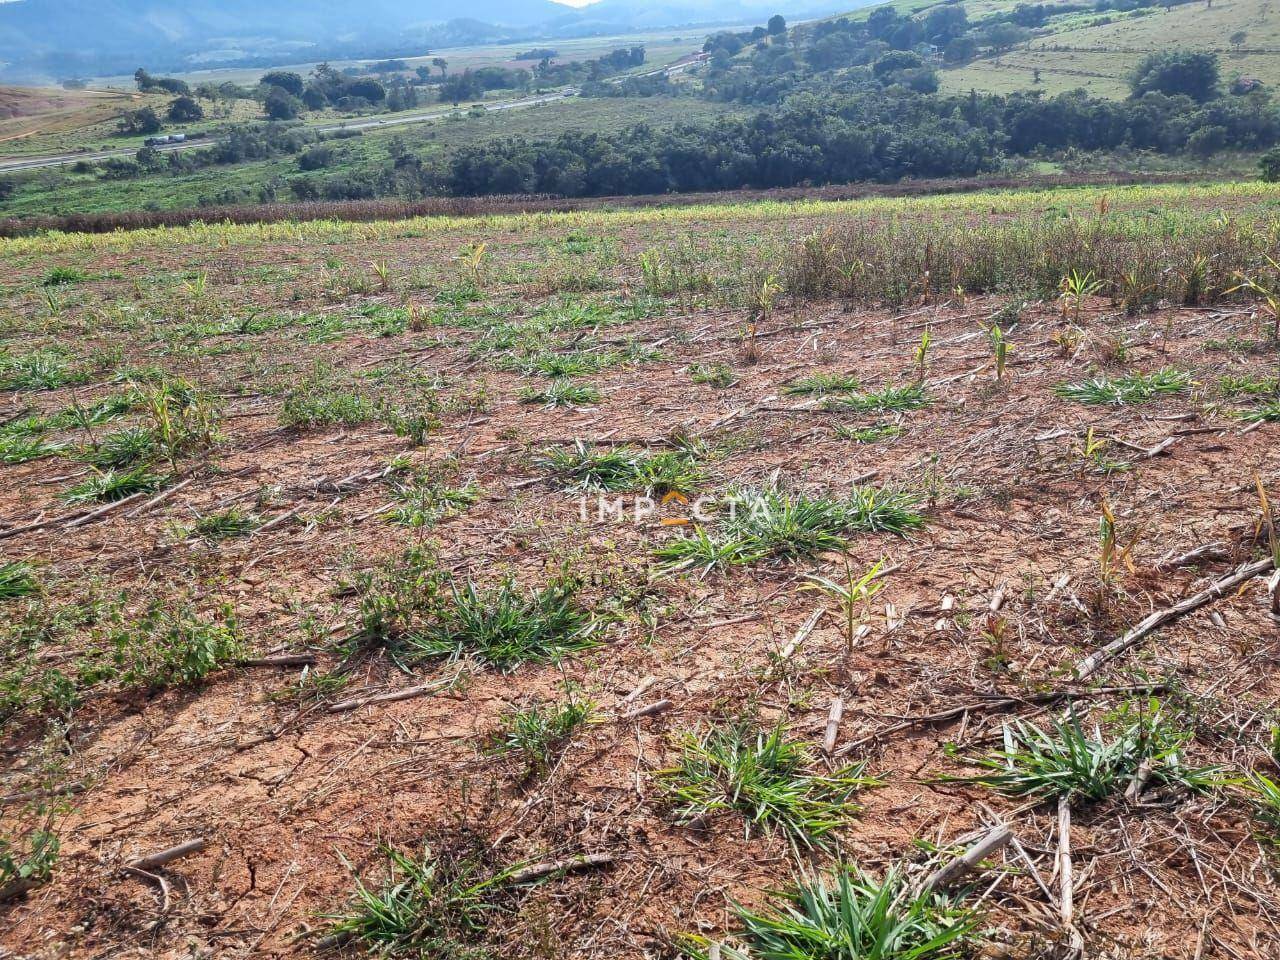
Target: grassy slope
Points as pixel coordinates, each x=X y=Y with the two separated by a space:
x=57 y=192
x=1098 y=57
x=31 y=117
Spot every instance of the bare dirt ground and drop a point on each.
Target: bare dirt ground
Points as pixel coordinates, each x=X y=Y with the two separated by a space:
x=999 y=594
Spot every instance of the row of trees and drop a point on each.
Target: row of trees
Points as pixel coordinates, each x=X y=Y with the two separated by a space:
x=872 y=134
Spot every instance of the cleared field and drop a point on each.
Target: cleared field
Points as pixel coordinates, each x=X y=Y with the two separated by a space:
x=31 y=118
x=309 y=555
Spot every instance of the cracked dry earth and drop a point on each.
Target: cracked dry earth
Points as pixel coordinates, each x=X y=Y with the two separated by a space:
x=997 y=595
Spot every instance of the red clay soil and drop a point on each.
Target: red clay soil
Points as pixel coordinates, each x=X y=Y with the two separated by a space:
x=282 y=789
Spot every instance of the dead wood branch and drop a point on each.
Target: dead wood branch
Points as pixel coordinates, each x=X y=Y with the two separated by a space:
x=163 y=857
x=993 y=841
x=407 y=693
x=537 y=871
x=1087 y=667
x=994 y=704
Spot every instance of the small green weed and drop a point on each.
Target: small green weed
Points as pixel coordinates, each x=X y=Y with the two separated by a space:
x=17 y=579
x=425 y=503
x=107 y=486
x=823 y=384
x=764 y=778
x=505 y=627
x=1130 y=389
x=538 y=734
x=871 y=434
x=561 y=393
x=718 y=375
x=909 y=397
x=851 y=916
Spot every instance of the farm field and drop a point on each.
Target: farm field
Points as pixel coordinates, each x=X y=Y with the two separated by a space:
x=577 y=585
x=1098 y=52
x=32 y=119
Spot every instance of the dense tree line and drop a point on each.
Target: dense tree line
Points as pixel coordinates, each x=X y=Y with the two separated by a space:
x=870 y=134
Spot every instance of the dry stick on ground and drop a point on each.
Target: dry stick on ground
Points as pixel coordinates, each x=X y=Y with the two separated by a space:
x=163 y=857
x=40 y=525
x=284 y=660
x=1065 y=878
x=1087 y=667
x=802 y=634
x=155 y=878
x=104 y=511
x=994 y=704
x=1208 y=551
x=536 y=871
x=28 y=795
x=158 y=499
x=639 y=689
x=405 y=694
x=658 y=706
x=993 y=841
x=16 y=888
x=833 y=725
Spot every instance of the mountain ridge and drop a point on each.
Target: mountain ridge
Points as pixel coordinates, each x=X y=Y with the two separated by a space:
x=52 y=40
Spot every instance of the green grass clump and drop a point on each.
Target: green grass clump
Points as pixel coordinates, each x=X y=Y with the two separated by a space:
x=425 y=503
x=910 y=397
x=1265 y=412
x=1248 y=385
x=575 y=363
x=1065 y=761
x=580 y=468
x=60 y=276
x=774 y=523
x=107 y=486
x=539 y=733
x=851 y=916
x=322 y=399
x=1264 y=801
x=765 y=779
x=121 y=448
x=505 y=627
x=427 y=906
x=224 y=525
x=561 y=393
x=17 y=579
x=872 y=434
x=39 y=370
x=823 y=384
x=1129 y=389
x=18 y=448
x=718 y=375
x=306 y=408
x=657 y=474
